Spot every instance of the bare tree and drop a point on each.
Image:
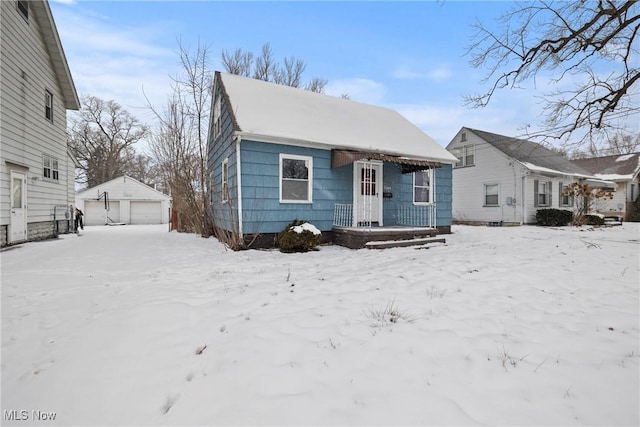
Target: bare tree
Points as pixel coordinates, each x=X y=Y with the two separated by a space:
x=265 y=67
x=238 y=62
x=571 y=41
x=179 y=144
x=102 y=136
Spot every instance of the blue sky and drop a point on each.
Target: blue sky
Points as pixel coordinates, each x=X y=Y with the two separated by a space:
x=408 y=56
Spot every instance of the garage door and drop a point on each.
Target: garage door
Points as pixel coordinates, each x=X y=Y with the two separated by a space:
x=94 y=212
x=146 y=213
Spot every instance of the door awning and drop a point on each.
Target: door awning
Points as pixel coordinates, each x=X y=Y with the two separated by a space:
x=344 y=157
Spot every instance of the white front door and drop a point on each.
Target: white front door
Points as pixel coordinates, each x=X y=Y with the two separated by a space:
x=367 y=193
x=18 y=226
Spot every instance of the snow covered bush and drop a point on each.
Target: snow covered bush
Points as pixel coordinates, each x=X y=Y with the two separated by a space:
x=553 y=217
x=299 y=236
x=593 y=219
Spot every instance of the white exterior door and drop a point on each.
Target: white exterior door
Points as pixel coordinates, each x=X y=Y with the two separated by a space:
x=18 y=226
x=367 y=199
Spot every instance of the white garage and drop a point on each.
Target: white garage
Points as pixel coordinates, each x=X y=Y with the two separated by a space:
x=123 y=200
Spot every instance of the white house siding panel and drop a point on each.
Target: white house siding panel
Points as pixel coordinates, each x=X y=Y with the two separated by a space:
x=555 y=194
x=616 y=205
x=490 y=167
x=27 y=72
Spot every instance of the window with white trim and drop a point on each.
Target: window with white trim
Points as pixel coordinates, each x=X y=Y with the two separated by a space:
x=491 y=195
x=422 y=187
x=48 y=105
x=566 y=200
x=225 y=180
x=542 y=193
x=50 y=168
x=296 y=179
x=466 y=155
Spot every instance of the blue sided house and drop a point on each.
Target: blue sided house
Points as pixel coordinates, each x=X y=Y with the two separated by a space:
x=358 y=172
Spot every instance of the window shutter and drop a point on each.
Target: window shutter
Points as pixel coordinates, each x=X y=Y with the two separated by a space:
x=549 y=192
x=535 y=192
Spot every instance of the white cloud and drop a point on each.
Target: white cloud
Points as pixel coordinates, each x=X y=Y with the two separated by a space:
x=358 y=89
x=437 y=74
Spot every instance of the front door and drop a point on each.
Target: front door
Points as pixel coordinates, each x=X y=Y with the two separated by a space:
x=18 y=226
x=368 y=195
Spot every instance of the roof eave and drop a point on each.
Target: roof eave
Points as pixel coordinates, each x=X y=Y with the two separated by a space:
x=44 y=16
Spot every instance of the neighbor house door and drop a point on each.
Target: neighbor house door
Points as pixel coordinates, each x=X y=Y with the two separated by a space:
x=18 y=225
x=368 y=195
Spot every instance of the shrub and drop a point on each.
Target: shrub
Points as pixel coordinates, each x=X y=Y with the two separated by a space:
x=593 y=220
x=553 y=217
x=298 y=236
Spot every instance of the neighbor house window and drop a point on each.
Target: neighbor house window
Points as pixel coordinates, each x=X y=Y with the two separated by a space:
x=225 y=180
x=466 y=155
x=23 y=8
x=48 y=105
x=50 y=168
x=296 y=177
x=542 y=193
x=422 y=187
x=217 y=120
x=491 y=194
x=565 y=199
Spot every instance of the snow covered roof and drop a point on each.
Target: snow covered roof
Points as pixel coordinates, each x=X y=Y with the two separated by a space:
x=614 y=168
x=277 y=113
x=532 y=155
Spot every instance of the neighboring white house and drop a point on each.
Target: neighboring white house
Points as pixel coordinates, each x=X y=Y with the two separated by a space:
x=123 y=200
x=624 y=170
x=36 y=90
x=500 y=179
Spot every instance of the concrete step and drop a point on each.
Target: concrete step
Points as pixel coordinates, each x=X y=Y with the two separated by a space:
x=386 y=244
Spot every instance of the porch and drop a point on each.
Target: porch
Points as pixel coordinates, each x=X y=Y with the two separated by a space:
x=414 y=225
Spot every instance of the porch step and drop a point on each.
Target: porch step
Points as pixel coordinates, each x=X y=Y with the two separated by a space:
x=386 y=244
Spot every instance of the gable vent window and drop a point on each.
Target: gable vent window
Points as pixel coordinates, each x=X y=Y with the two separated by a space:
x=466 y=155
x=463 y=137
x=217 y=120
x=23 y=8
x=48 y=105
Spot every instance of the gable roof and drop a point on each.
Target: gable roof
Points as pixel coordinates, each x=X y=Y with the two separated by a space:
x=276 y=113
x=532 y=155
x=43 y=15
x=617 y=167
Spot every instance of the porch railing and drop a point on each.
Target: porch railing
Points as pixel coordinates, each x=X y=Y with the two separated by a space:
x=417 y=216
x=407 y=215
x=342 y=215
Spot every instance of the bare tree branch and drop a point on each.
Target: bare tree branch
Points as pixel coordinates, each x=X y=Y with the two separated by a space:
x=565 y=42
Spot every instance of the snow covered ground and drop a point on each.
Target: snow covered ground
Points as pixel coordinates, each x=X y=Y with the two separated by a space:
x=134 y=325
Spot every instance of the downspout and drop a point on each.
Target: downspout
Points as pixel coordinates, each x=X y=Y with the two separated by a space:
x=239 y=186
x=523 y=201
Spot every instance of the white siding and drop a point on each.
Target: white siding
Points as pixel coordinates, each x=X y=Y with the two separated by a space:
x=491 y=166
x=516 y=182
x=27 y=71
